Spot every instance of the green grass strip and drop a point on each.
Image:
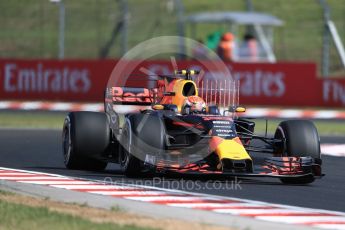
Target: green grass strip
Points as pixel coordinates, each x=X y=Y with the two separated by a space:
x=54 y=120
x=17 y=216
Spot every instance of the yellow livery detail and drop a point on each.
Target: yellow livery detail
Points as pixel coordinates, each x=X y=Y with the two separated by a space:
x=231 y=149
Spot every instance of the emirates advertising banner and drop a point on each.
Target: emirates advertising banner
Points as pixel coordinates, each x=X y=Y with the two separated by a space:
x=279 y=84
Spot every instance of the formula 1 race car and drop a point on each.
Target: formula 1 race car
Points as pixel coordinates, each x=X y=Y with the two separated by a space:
x=186 y=126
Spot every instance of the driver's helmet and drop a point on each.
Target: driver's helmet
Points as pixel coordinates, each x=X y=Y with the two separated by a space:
x=194 y=104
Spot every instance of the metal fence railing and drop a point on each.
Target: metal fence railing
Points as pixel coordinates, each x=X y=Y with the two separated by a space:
x=30 y=28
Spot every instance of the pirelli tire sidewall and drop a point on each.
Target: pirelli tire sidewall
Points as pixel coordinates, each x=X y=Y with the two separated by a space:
x=89 y=137
x=142 y=134
x=302 y=138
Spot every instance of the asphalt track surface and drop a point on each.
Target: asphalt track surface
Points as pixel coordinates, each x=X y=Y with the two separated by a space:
x=40 y=150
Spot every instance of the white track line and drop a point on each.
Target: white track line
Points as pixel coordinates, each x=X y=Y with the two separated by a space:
x=272 y=212
x=90 y=186
x=128 y=193
x=216 y=205
x=26 y=178
x=57 y=182
x=98 y=107
x=290 y=113
x=5 y=173
x=326 y=114
x=164 y=198
x=300 y=219
x=330 y=226
x=206 y=196
x=337 y=150
x=233 y=206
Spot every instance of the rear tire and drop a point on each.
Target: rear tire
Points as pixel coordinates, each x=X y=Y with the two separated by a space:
x=302 y=139
x=86 y=136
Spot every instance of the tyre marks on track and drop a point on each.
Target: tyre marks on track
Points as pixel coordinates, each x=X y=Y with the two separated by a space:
x=227 y=206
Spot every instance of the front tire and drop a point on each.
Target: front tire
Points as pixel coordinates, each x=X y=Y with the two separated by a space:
x=142 y=134
x=130 y=165
x=86 y=135
x=301 y=139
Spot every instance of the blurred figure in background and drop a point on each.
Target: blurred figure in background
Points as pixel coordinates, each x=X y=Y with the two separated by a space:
x=226 y=47
x=248 y=49
x=200 y=50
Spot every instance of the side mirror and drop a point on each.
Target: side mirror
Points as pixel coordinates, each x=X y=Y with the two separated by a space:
x=240 y=109
x=237 y=109
x=158 y=107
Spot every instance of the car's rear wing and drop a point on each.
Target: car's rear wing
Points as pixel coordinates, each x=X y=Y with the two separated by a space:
x=130 y=96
